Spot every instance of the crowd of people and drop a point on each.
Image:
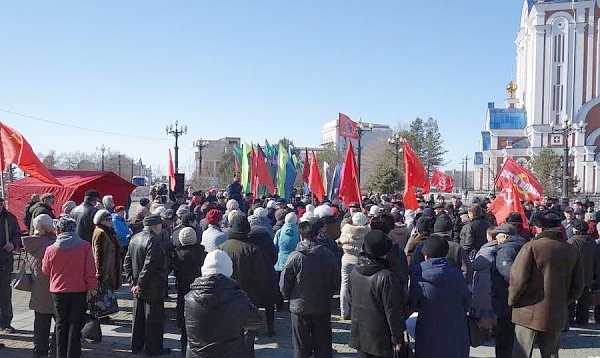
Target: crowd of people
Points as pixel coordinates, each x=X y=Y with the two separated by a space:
x=447 y=266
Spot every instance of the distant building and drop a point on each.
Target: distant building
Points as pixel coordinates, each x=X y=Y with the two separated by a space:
x=370 y=143
x=209 y=156
x=557 y=79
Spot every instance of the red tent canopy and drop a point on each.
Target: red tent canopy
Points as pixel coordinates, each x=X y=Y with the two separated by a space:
x=75 y=183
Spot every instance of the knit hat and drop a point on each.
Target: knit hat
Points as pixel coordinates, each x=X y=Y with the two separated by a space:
x=181 y=210
x=580 y=226
x=68 y=206
x=100 y=216
x=214 y=216
x=217 y=262
x=151 y=220
x=271 y=204
x=377 y=243
x=443 y=223
x=144 y=201
x=254 y=220
x=425 y=225
x=231 y=214
x=232 y=204
x=323 y=211
x=66 y=224
x=42 y=224
x=239 y=225
x=374 y=210
x=261 y=212
x=436 y=246
x=187 y=236
x=359 y=219
x=291 y=218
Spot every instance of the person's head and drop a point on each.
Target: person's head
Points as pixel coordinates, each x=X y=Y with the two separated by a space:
x=236 y=178
x=435 y=246
x=180 y=198
x=145 y=203
x=580 y=213
x=232 y=204
x=376 y=243
x=456 y=201
x=438 y=208
x=409 y=215
x=35 y=198
x=569 y=213
x=291 y=218
x=577 y=204
x=91 y=197
x=239 y=226
x=103 y=218
x=167 y=217
x=189 y=220
x=214 y=217
x=384 y=222
x=120 y=210
x=308 y=230
x=43 y=225
x=108 y=202
x=187 y=236
x=66 y=224
x=514 y=218
x=68 y=207
x=580 y=227
x=153 y=223
x=475 y=210
x=182 y=210
x=503 y=232
x=443 y=225
x=48 y=199
x=359 y=219
x=254 y=220
x=490 y=234
x=590 y=217
x=217 y=262
x=424 y=225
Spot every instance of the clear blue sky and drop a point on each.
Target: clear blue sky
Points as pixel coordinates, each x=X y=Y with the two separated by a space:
x=255 y=69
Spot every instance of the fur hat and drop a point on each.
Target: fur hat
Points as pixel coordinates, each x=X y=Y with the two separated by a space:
x=271 y=204
x=254 y=220
x=261 y=212
x=359 y=219
x=436 y=246
x=217 y=262
x=100 y=216
x=43 y=224
x=181 y=210
x=377 y=243
x=68 y=206
x=187 y=236
x=443 y=223
x=291 y=218
x=66 y=224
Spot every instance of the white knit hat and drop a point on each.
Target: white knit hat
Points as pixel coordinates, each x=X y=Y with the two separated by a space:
x=261 y=212
x=291 y=218
x=359 y=219
x=374 y=211
x=323 y=211
x=43 y=224
x=232 y=204
x=217 y=262
x=100 y=215
x=231 y=214
x=271 y=204
x=187 y=236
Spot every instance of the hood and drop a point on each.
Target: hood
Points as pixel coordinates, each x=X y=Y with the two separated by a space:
x=488 y=250
x=368 y=265
x=289 y=229
x=356 y=230
x=213 y=290
x=33 y=243
x=67 y=240
x=37 y=205
x=515 y=241
x=310 y=247
x=435 y=271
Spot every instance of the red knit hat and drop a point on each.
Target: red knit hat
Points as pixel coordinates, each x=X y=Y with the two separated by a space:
x=214 y=216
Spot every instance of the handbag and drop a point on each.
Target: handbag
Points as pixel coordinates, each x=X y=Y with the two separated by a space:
x=105 y=302
x=91 y=330
x=22 y=280
x=477 y=335
x=406 y=351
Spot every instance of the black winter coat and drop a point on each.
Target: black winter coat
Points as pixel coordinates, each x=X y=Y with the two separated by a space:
x=187 y=262
x=377 y=307
x=84 y=216
x=500 y=274
x=309 y=279
x=473 y=235
x=261 y=237
x=590 y=259
x=216 y=313
x=145 y=265
x=456 y=256
x=38 y=209
x=399 y=266
x=27 y=214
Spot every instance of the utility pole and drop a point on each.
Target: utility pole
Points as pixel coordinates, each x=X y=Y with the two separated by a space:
x=119 y=164
x=102 y=149
x=200 y=144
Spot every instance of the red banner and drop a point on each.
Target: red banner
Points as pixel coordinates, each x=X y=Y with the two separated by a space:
x=415 y=176
x=507 y=202
x=347 y=127
x=171 y=172
x=442 y=181
x=526 y=184
x=349 y=187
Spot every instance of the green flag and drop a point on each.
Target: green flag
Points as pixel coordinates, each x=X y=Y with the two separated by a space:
x=245 y=179
x=282 y=161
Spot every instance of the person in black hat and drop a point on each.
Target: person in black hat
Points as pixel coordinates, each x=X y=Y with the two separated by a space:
x=84 y=214
x=442 y=330
x=569 y=214
x=377 y=302
x=473 y=234
x=516 y=220
x=145 y=270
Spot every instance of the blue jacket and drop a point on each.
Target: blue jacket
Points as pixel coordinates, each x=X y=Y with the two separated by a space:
x=121 y=228
x=505 y=256
x=286 y=239
x=439 y=293
x=482 y=280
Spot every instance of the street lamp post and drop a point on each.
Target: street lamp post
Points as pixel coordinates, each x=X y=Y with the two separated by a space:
x=200 y=144
x=140 y=164
x=396 y=141
x=361 y=129
x=176 y=131
x=567 y=128
x=102 y=149
x=119 y=164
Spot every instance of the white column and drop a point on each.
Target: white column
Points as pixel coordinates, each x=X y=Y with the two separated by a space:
x=579 y=32
x=590 y=53
x=537 y=112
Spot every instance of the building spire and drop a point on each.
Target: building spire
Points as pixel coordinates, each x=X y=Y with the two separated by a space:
x=511 y=100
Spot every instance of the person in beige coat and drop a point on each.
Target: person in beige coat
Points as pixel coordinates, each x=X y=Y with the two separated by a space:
x=351 y=240
x=107 y=251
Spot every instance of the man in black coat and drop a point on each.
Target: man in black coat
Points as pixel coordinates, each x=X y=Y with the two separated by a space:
x=44 y=206
x=26 y=213
x=145 y=270
x=509 y=245
x=377 y=305
x=7 y=246
x=84 y=215
x=473 y=234
x=308 y=281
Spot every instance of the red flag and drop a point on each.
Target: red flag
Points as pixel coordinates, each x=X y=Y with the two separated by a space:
x=442 y=181
x=347 y=127
x=306 y=171
x=315 y=182
x=507 y=202
x=260 y=172
x=349 y=189
x=171 y=172
x=415 y=176
x=528 y=187
x=14 y=149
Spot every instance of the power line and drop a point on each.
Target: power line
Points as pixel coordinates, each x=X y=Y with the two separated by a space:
x=81 y=128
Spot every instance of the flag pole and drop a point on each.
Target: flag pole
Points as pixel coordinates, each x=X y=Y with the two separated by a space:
x=2 y=165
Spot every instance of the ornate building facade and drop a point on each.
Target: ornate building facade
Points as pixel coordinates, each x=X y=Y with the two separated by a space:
x=557 y=83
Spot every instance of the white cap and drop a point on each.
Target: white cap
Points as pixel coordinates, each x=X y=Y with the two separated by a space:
x=291 y=218
x=271 y=204
x=217 y=262
x=374 y=211
x=323 y=211
x=359 y=219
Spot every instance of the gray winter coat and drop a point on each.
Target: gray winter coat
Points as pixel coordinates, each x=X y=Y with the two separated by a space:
x=40 y=300
x=481 y=297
